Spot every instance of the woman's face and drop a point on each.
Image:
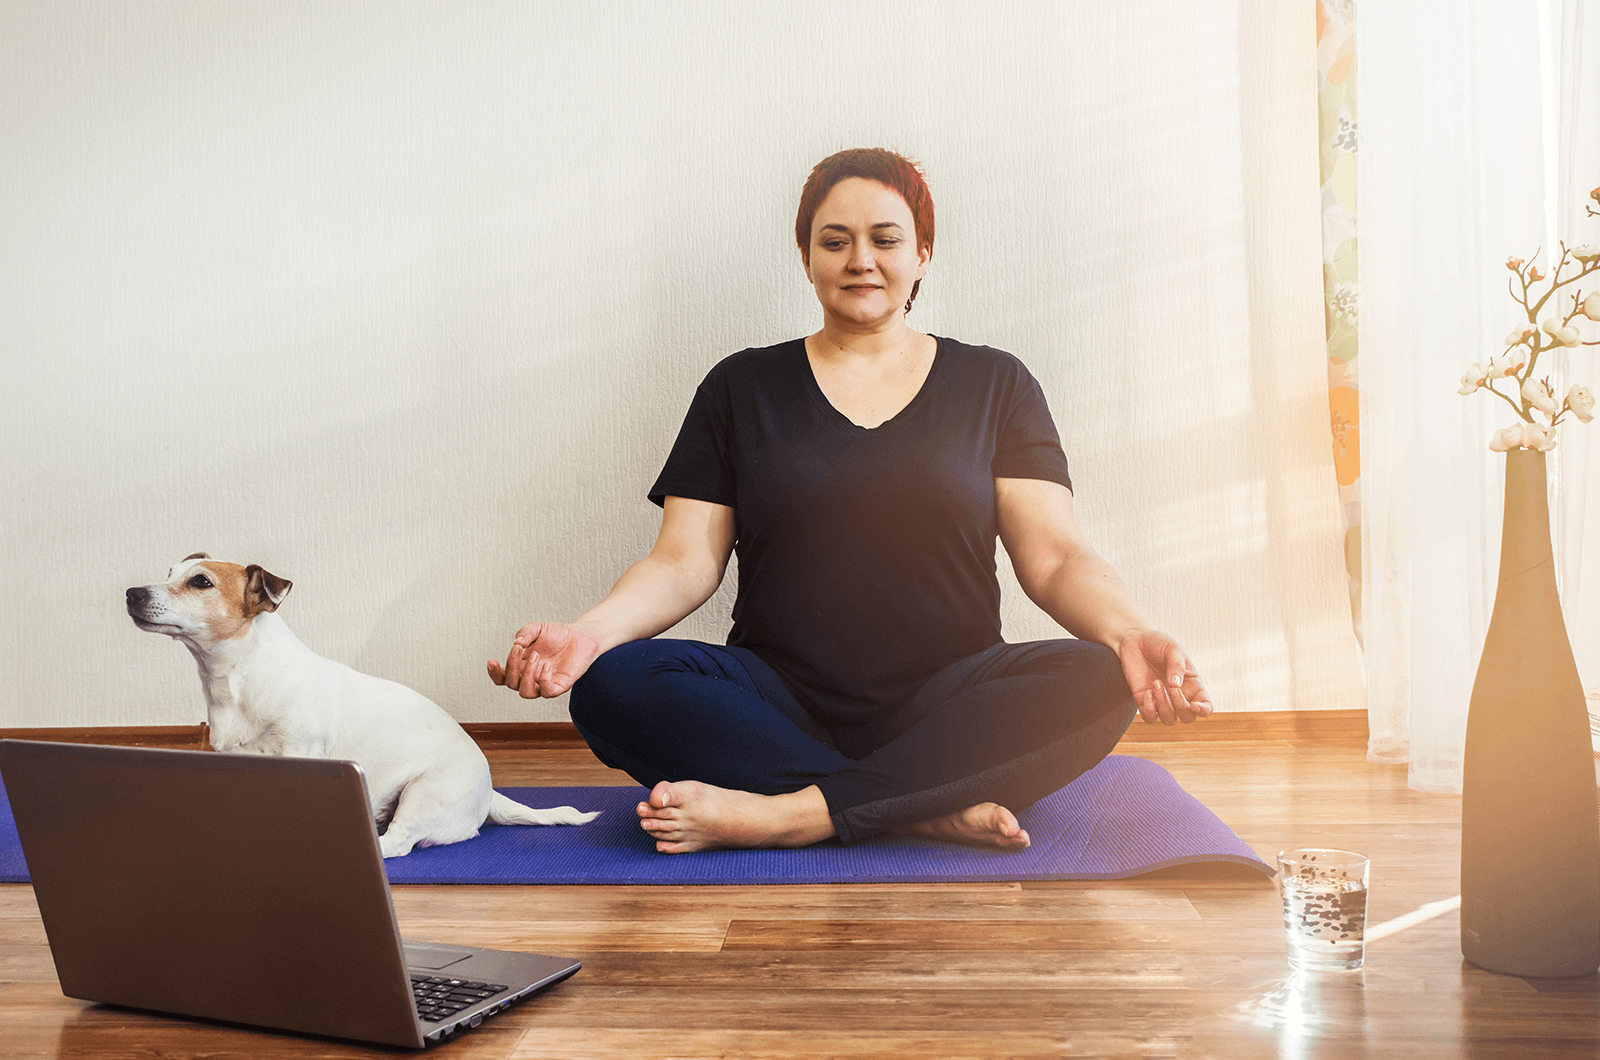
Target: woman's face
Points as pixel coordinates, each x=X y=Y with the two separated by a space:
x=864 y=256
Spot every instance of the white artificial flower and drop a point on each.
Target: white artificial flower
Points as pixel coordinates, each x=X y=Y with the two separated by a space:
x=1473 y=379
x=1568 y=336
x=1524 y=436
x=1536 y=392
x=1520 y=333
x=1586 y=253
x=1537 y=437
x=1591 y=306
x=1508 y=363
x=1581 y=402
x=1551 y=325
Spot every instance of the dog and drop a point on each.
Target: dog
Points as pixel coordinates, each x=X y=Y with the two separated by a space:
x=267 y=693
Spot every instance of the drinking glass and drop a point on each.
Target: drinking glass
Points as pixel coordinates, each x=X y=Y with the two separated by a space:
x=1324 y=907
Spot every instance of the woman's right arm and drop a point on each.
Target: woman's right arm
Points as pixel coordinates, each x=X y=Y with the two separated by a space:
x=683 y=569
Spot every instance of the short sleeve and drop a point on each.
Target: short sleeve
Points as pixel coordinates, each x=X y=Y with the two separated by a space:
x=1029 y=446
x=700 y=465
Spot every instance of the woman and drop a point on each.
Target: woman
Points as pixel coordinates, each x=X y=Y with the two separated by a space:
x=863 y=475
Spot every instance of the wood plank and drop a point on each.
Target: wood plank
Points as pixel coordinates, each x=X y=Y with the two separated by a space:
x=926 y=936
x=552 y=767
x=759 y=1044
x=525 y=735
x=573 y=937
x=1343 y=727
x=24 y=963
x=878 y=972
x=16 y=899
x=928 y=901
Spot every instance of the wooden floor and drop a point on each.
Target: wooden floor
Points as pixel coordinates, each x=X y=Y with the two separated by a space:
x=1175 y=964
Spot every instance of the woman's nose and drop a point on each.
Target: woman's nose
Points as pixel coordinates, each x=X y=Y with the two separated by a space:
x=861 y=259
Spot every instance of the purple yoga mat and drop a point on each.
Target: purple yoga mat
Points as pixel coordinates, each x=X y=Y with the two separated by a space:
x=1124 y=817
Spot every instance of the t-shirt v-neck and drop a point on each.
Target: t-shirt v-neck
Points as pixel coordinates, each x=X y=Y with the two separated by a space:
x=866 y=554
x=822 y=396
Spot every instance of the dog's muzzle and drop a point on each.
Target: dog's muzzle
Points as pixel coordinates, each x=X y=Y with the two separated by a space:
x=139 y=602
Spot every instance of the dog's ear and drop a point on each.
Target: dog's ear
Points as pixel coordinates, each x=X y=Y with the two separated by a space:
x=197 y=555
x=263 y=590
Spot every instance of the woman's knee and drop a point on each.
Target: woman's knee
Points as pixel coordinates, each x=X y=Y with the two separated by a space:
x=609 y=685
x=1085 y=669
x=1103 y=670
x=639 y=677
x=1088 y=682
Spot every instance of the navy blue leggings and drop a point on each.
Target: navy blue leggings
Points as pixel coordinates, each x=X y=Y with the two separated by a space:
x=1009 y=725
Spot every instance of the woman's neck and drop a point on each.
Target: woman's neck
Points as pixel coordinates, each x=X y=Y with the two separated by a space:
x=836 y=340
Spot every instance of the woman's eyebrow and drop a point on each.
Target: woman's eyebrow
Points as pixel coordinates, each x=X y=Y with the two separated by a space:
x=876 y=227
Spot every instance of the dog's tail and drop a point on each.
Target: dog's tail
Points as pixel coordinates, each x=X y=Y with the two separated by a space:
x=503 y=811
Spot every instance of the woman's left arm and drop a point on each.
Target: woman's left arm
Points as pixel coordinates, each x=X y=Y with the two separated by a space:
x=1061 y=572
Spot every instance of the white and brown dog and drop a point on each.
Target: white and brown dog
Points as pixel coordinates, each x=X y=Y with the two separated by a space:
x=267 y=693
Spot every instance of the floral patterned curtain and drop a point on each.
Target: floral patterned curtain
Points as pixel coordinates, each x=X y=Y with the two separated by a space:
x=1336 y=76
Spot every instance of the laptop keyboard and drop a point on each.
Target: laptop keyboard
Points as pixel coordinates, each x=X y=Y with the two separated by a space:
x=439 y=998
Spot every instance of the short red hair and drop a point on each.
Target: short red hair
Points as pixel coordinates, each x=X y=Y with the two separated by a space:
x=871 y=163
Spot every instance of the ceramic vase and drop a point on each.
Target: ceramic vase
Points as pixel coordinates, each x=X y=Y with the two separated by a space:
x=1530 y=839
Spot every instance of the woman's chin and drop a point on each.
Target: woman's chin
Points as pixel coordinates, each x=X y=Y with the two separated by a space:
x=863 y=318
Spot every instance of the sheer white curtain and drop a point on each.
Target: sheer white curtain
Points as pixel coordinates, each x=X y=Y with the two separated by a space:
x=1469 y=112
x=1575 y=42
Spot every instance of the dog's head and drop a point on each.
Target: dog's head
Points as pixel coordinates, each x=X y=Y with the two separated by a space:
x=206 y=600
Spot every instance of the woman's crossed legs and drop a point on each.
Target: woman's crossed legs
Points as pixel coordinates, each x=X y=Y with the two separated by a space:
x=733 y=760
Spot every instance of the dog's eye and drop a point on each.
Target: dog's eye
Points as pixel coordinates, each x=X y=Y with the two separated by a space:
x=199 y=581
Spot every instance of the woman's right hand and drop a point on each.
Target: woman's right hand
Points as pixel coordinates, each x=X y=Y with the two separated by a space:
x=681 y=572
x=545 y=659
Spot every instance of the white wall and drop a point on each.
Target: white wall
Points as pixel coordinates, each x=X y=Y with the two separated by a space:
x=405 y=300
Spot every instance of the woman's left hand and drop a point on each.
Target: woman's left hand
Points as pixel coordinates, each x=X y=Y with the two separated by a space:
x=1166 y=687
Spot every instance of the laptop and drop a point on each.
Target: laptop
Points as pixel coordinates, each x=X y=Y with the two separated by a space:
x=242 y=888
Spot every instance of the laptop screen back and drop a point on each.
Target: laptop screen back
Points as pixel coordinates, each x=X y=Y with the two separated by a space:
x=230 y=887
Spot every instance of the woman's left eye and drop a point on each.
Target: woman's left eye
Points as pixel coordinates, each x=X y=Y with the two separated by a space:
x=199 y=581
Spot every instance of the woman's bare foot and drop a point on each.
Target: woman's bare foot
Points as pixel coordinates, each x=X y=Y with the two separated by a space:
x=686 y=815
x=987 y=824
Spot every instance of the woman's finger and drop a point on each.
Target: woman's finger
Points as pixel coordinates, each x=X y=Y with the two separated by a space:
x=1177 y=664
x=1185 y=707
x=1165 y=705
x=528 y=683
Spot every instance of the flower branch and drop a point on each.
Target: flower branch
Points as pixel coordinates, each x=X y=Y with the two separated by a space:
x=1534 y=400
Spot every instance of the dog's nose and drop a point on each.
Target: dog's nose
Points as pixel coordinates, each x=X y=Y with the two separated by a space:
x=138 y=595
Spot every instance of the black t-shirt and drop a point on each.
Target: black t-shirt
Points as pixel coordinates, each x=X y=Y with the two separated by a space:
x=866 y=556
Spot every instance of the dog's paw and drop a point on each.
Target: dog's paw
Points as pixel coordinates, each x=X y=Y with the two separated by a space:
x=394 y=846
